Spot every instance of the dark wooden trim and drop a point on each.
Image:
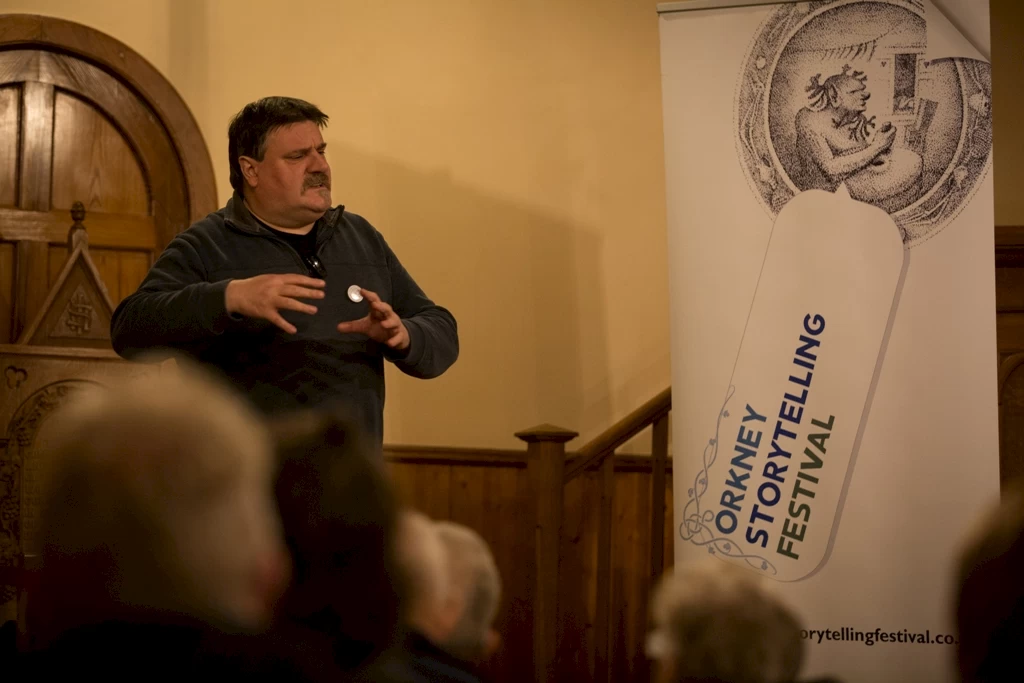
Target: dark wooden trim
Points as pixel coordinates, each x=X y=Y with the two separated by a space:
x=1009 y=236
x=639 y=463
x=124 y=231
x=443 y=455
x=495 y=457
x=34 y=32
x=59 y=352
x=1009 y=246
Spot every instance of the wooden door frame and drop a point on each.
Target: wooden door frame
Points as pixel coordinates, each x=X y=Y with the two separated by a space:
x=28 y=31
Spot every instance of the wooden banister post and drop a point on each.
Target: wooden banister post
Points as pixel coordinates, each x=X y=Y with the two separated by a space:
x=659 y=459
x=603 y=605
x=545 y=456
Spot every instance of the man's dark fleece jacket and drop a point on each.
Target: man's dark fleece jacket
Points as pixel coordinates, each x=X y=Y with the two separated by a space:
x=180 y=305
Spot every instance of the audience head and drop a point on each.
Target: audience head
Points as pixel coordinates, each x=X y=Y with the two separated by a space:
x=424 y=562
x=159 y=503
x=715 y=621
x=474 y=588
x=990 y=599
x=340 y=516
x=454 y=586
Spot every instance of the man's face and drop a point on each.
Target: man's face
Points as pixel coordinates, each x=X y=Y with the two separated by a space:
x=852 y=95
x=294 y=179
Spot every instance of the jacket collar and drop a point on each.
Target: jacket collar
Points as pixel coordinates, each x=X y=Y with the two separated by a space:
x=237 y=216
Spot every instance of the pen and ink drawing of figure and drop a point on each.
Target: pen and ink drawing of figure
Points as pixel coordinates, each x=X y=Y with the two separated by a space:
x=837 y=143
x=840 y=92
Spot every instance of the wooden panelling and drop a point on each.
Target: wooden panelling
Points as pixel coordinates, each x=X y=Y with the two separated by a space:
x=10 y=104
x=56 y=258
x=495 y=503
x=134 y=266
x=108 y=263
x=37 y=381
x=1010 y=342
x=93 y=163
x=424 y=487
x=31 y=270
x=136 y=122
x=1009 y=289
x=48 y=34
x=36 y=146
x=155 y=153
x=1010 y=332
x=1011 y=427
x=577 y=578
x=6 y=292
x=489 y=492
x=631 y=528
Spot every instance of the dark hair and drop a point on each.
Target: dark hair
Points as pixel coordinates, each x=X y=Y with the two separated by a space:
x=989 y=604
x=248 y=131
x=340 y=518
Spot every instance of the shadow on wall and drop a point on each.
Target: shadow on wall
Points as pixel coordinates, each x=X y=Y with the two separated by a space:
x=527 y=291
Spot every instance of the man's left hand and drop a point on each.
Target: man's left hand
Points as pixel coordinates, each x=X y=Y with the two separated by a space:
x=381 y=324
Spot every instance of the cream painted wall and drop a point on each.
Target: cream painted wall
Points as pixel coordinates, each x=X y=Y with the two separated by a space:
x=511 y=152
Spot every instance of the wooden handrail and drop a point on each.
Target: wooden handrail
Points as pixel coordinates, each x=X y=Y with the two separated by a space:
x=605 y=443
x=549 y=471
x=600 y=453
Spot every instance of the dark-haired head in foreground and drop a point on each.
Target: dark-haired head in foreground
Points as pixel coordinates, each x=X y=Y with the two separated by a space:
x=339 y=515
x=990 y=594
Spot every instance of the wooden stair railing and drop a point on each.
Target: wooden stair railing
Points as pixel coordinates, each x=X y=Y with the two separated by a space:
x=549 y=472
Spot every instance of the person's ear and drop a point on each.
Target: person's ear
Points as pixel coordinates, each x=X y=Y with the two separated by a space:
x=666 y=670
x=271 y=576
x=449 y=615
x=250 y=170
x=492 y=642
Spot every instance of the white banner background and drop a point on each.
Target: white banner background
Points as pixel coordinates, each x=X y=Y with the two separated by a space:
x=928 y=453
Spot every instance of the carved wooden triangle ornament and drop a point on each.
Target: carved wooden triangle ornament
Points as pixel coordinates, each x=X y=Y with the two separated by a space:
x=78 y=309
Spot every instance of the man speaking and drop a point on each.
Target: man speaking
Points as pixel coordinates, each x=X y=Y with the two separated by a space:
x=296 y=302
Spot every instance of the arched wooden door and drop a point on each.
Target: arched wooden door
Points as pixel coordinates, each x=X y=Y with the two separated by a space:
x=84 y=118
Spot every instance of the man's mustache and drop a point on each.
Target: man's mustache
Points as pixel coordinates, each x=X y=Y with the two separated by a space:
x=316 y=180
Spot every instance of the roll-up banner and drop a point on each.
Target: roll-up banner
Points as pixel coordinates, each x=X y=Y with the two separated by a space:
x=830 y=212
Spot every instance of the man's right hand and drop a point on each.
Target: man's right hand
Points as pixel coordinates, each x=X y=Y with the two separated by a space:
x=885 y=137
x=264 y=295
